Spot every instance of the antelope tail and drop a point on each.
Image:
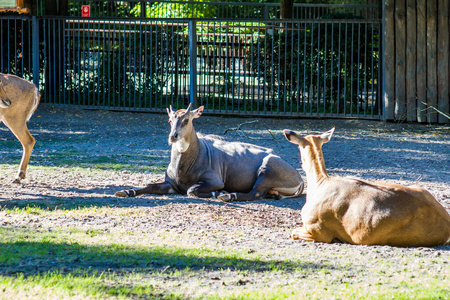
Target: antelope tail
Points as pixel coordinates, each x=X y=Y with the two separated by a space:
x=37 y=97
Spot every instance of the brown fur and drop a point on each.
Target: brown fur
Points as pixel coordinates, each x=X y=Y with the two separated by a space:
x=358 y=212
x=20 y=98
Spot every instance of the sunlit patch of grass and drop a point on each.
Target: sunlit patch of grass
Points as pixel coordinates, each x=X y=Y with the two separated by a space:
x=324 y=290
x=56 y=285
x=95 y=261
x=101 y=247
x=71 y=158
x=115 y=162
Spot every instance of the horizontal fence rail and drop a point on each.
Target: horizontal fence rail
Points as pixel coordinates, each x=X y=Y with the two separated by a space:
x=218 y=10
x=309 y=68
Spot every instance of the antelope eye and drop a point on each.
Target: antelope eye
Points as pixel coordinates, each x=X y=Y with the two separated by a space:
x=185 y=121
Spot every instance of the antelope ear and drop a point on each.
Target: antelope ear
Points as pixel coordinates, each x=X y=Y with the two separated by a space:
x=197 y=113
x=294 y=138
x=326 y=136
x=169 y=110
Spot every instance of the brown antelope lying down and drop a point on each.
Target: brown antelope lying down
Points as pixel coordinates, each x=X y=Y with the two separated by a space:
x=359 y=212
x=19 y=98
x=208 y=166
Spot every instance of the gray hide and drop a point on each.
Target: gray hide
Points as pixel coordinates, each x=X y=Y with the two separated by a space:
x=208 y=166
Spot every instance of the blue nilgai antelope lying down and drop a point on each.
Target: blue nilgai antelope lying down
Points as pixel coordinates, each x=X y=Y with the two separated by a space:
x=207 y=166
x=19 y=99
x=358 y=212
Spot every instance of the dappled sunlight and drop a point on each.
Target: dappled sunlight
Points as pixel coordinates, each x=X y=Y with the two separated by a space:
x=58 y=132
x=394 y=176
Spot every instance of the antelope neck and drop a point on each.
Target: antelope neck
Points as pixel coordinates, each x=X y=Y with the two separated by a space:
x=317 y=171
x=188 y=157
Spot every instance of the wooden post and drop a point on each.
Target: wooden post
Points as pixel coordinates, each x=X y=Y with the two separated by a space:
x=443 y=57
x=431 y=60
x=421 y=60
x=411 y=56
x=400 y=63
x=388 y=60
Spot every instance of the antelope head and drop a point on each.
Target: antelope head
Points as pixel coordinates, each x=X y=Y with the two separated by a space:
x=181 y=126
x=310 y=148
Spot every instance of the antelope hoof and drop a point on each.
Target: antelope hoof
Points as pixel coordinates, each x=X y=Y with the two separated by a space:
x=297 y=233
x=125 y=193
x=20 y=176
x=226 y=197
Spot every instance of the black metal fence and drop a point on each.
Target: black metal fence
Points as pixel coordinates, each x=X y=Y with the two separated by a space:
x=325 y=67
x=16 y=46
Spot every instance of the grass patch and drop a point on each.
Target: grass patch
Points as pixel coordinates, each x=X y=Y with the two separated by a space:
x=104 y=250
x=54 y=285
x=113 y=162
x=94 y=262
x=70 y=156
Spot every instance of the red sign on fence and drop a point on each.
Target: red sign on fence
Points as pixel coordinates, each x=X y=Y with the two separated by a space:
x=85 y=10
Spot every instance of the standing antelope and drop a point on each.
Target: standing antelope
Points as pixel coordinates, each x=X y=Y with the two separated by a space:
x=207 y=166
x=359 y=212
x=19 y=98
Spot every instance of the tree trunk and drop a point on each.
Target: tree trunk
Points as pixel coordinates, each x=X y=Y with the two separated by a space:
x=287 y=7
x=56 y=7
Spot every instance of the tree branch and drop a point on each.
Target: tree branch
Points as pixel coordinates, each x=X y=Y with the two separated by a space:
x=242 y=133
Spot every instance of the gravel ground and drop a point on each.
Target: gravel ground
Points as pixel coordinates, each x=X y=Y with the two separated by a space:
x=398 y=153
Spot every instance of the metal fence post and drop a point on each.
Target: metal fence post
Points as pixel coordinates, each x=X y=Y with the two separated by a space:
x=266 y=11
x=35 y=49
x=143 y=9
x=193 y=62
x=384 y=98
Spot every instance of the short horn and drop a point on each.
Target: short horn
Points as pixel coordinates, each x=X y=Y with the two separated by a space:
x=188 y=110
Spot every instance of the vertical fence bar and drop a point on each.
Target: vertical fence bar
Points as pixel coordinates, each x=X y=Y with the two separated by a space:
x=35 y=49
x=352 y=39
x=193 y=62
x=15 y=48
x=345 y=69
x=318 y=53
x=332 y=69
x=144 y=58
x=388 y=64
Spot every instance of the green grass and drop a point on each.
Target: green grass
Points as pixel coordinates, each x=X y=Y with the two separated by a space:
x=114 y=162
x=54 y=285
x=104 y=249
x=93 y=262
x=70 y=156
